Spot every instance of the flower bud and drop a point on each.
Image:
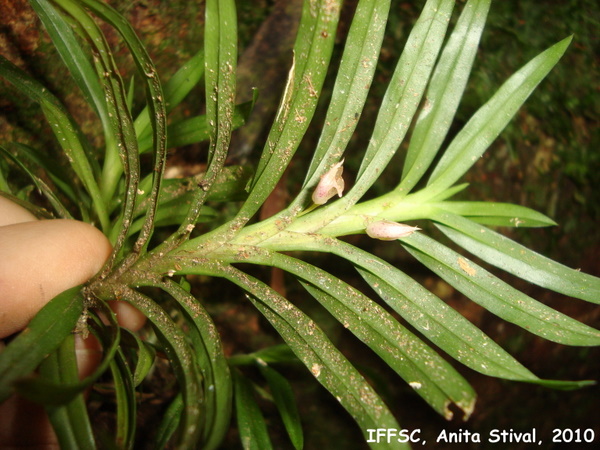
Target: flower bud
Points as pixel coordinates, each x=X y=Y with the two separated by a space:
x=386 y=230
x=330 y=184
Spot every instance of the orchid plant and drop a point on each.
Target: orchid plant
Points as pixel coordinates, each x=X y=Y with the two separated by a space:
x=163 y=230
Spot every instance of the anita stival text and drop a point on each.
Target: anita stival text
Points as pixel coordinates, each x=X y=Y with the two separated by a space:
x=495 y=436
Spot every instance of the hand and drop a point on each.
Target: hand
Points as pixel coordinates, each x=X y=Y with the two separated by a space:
x=39 y=260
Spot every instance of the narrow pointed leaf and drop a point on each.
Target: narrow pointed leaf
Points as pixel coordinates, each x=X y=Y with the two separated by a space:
x=145 y=355
x=514 y=258
x=463 y=341
x=70 y=421
x=487 y=123
x=41 y=337
x=430 y=315
x=125 y=399
x=73 y=56
x=286 y=403
x=312 y=54
x=4 y=187
x=41 y=185
x=444 y=93
x=182 y=360
x=400 y=349
x=405 y=89
x=126 y=148
x=399 y=105
x=318 y=354
x=174 y=90
x=427 y=313
x=280 y=353
x=498 y=214
x=425 y=371
x=193 y=130
x=212 y=363
x=169 y=423
x=43 y=390
x=65 y=129
x=497 y=296
x=220 y=47
x=157 y=112
x=61 y=178
x=37 y=211
x=124 y=388
x=354 y=77
x=251 y=423
x=173 y=213
x=179 y=192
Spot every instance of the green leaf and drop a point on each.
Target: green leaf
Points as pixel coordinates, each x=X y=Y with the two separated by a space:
x=109 y=334
x=398 y=106
x=42 y=336
x=220 y=47
x=40 y=184
x=59 y=176
x=404 y=92
x=425 y=371
x=230 y=186
x=158 y=119
x=354 y=77
x=441 y=324
x=251 y=423
x=431 y=377
x=444 y=93
x=70 y=421
x=42 y=390
x=286 y=403
x=79 y=66
x=4 y=187
x=145 y=355
x=120 y=117
x=37 y=211
x=173 y=213
x=487 y=123
x=130 y=93
x=497 y=296
x=281 y=353
x=169 y=423
x=208 y=357
x=456 y=335
x=125 y=399
x=317 y=353
x=183 y=361
x=175 y=90
x=514 y=258
x=312 y=53
x=212 y=363
x=194 y=129
x=498 y=214
x=444 y=326
x=65 y=130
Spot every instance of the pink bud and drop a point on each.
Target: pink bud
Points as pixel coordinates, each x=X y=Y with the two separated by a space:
x=389 y=231
x=330 y=184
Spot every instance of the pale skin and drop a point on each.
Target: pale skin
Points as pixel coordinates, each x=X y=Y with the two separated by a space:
x=38 y=260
